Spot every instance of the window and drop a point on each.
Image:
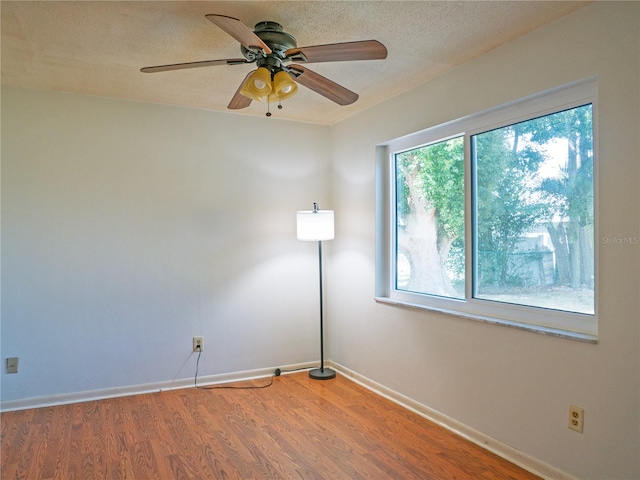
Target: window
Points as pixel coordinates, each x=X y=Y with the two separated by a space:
x=493 y=216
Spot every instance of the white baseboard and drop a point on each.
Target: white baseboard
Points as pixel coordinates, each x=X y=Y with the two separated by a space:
x=503 y=450
x=77 y=397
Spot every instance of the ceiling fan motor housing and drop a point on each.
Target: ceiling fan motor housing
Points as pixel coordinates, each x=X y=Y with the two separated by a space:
x=278 y=41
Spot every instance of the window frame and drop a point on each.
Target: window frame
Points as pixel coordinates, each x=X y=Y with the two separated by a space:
x=555 y=322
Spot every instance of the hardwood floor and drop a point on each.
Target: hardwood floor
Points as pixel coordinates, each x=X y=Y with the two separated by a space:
x=297 y=428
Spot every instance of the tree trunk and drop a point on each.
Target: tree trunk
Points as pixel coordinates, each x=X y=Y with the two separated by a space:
x=419 y=241
x=559 y=240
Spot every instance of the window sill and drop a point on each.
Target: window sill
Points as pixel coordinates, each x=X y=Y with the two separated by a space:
x=554 y=332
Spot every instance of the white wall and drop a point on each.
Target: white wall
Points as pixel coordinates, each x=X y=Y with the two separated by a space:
x=512 y=385
x=128 y=228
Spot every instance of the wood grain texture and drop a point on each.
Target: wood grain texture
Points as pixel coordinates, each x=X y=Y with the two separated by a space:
x=298 y=428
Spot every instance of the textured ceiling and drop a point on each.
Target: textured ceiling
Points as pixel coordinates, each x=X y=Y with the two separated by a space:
x=98 y=48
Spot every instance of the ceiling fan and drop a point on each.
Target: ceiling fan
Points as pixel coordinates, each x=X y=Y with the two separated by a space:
x=277 y=56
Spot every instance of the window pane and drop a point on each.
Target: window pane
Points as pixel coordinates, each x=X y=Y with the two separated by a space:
x=429 y=249
x=534 y=236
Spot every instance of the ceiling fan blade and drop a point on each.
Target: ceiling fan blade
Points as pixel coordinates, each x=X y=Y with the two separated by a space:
x=205 y=63
x=322 y=85
x=338 y=52
x=239 y=31
x=240 y=101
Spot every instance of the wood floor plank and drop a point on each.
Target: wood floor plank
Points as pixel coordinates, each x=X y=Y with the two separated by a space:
x=297 y=428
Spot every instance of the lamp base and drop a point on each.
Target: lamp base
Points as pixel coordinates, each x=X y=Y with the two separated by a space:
x=322 y=374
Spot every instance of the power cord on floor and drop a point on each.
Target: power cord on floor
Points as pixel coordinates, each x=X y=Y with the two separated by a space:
x=231 y=387
x=294 y=370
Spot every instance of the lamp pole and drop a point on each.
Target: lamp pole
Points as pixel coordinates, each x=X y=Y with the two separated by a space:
x=321 y=373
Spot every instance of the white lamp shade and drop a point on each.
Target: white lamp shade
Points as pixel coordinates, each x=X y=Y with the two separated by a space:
x=315 y=226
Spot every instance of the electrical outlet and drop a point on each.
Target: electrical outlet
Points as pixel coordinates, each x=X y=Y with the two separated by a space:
x=198 y=344
x=576 y=418
x=12 y=365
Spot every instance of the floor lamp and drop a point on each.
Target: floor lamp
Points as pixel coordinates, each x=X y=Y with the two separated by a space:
x=317 y=225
